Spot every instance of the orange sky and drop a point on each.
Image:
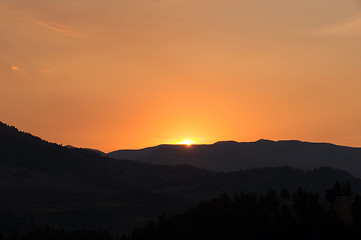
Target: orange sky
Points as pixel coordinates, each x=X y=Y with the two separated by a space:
x=114 y=74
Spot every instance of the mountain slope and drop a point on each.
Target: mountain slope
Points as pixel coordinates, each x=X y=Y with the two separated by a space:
x=232 y=156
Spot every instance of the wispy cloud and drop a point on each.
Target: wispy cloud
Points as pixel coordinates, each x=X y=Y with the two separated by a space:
x=351 y=26
x=62 y=29
x=46 y=71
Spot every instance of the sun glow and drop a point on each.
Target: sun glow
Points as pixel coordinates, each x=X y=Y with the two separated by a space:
x=187 y=142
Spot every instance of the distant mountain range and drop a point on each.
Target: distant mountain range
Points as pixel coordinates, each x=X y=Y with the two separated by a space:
x=83 y=189
x=27 y=159
x=233 y=156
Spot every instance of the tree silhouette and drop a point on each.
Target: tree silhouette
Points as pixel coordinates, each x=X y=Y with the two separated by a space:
x=285 y=194
x=346 y=189
x=249 y=216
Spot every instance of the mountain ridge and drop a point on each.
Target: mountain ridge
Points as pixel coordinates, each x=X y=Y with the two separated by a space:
x=232 y=156
x=261 y=140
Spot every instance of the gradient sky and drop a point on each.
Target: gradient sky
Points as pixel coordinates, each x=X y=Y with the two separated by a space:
x=115 y=74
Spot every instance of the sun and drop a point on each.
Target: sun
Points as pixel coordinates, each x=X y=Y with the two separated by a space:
x=187 y=142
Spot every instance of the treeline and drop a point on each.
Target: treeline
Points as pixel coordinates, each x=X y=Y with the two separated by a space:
x=301 y=215
x=275 y=215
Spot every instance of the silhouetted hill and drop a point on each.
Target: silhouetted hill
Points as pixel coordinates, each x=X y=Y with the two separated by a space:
x=90 y=149
x=232 y=156
x=81 y=189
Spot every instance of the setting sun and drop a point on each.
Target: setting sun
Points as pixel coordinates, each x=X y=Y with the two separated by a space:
x=187 y=142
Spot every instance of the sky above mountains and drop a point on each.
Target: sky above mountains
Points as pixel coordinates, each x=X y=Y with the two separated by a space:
x=116 y=74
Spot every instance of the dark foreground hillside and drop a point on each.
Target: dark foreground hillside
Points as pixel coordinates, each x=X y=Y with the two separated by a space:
x=274 y=215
